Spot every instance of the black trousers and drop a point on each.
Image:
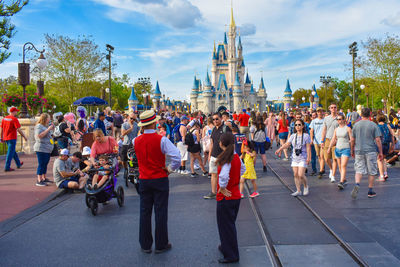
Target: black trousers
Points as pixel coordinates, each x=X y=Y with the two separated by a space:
x=227 y=211
x=154 y=192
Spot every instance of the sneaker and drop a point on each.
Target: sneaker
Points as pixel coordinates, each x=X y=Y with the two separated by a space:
x=333 y=179
x=313 y=173
x=354 y=193
x=386 y=177
x=241 y=195
x=285 y=159
x=21 y=163
x=210 y=196
x=255 y=194
x=305 y=191
x=48 y=181
x=205 y=173
x=340 y=185
x=41 y=183
x=193 y=175
x=90 y=187
x=184 y=172
x=345 y=182
x=295 y=194
x=9 y=170
x=371 y=194
x=95 y=186
x=209 y=176
x=264 y=168
x=320 y=174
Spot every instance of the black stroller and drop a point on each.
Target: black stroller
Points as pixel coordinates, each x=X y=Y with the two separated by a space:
x=107 y=191
x=131 y=173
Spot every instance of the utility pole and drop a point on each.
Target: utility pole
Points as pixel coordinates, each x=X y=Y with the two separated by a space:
x=353 y=52
x=110 y=49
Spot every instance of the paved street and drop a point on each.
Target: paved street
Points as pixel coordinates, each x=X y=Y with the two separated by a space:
x=64 y=233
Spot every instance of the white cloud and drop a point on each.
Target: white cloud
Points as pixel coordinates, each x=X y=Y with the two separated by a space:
x=393 y=21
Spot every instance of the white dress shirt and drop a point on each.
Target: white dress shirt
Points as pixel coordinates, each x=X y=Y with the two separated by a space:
x=224 y=174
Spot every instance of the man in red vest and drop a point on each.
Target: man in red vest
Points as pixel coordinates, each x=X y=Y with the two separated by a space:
x=151 y=149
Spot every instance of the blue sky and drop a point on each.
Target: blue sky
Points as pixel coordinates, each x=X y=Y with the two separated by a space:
x=171 y=40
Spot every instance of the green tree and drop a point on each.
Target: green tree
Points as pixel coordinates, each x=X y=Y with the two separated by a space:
x=76 y=67
x=7 y=30
x=329 y=92
x=141 y=89
x=347 y=103
x=381 y=62
x=300 y=93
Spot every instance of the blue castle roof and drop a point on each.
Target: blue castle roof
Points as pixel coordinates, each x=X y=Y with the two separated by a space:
x=247 y=79
x=315 y=90
x=240 y=43
x=237 y=80
x=221 y=48
x=262 y=83
x=195 y=83
x=133 y=96
x=252 y=92
x=225 y=39
x=222 y=82
x=207 y=82
x=157 y=90
x=288 y=91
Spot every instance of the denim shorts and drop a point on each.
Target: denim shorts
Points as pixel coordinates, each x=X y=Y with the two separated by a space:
x=64 y=183
x=259 y=147
x=283 y=135
x=344 y=152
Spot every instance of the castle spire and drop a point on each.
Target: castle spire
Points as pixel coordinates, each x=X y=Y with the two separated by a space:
x=240 y=43
x=232 y=19
x=214 y=47
x=225 y=39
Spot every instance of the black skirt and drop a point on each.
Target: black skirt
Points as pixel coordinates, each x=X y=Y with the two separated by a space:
x=194 y=149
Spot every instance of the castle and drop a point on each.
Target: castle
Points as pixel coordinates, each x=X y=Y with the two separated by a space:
x=227 y=86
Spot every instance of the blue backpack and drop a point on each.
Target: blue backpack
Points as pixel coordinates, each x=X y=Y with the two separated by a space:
x=386 y=136
x=177 y=134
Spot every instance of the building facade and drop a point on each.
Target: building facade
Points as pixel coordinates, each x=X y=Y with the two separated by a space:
x=229 y=85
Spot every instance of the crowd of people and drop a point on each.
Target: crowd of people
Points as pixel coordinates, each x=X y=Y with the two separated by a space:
x=223 y=146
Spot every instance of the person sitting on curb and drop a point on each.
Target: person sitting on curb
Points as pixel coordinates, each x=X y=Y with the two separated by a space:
x=64 y=175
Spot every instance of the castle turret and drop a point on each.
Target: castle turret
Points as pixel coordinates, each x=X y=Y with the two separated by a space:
x=287 y=95
x=132 y=100
x=157 y=97
x=262 y=96
x=232 y=51
x=314 y=104
x=214 y=67
x=207 y=96
x=252 y=96
x=194 y=94
x=237 y=94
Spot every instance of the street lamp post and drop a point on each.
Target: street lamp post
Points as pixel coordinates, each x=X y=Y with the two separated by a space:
x=110 y=49
x=362 y=86
x=312 y=99
x=326 y=81
x=23 y=73
x=353 y=52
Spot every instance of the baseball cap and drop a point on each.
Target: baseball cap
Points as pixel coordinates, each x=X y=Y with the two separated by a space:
x=184 y=118
x=13 y=109
x=101 y=114
x=86 y=151
x=64 y=152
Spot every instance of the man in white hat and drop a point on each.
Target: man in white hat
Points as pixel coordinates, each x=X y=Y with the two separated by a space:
x=151 y=149
x=64 y=176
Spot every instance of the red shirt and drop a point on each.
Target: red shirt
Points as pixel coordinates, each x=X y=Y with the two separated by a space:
x=234 y=179
x=10 y=124
x=283 y=129
x=103 y=148
x=151 y=160
x=235 y=116
x=244 y=120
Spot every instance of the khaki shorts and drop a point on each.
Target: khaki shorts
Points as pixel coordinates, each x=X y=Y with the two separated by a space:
x=318 y=150
x=326 y=146
x=183 y=150
x=213 y=168
x=366 y=164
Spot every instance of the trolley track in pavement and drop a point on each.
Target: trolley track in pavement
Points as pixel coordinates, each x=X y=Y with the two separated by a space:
x=272 y=253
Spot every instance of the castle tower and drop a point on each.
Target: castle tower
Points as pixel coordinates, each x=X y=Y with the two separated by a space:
x=287 y=95
x=262 y=96
x=194 y=94
x=157 y=97
x=232 y=51
x=314 y=104
x=247 y=86
x=132 y=101
x=207 y=96
x=237 y=94
x=214 y=67
x=252 y=97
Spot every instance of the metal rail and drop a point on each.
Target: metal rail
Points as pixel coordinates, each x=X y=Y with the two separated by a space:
x=355 y=256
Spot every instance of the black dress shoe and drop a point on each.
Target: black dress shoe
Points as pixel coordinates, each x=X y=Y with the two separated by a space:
x=148 y=251
x=223 y=260
x=168 y=247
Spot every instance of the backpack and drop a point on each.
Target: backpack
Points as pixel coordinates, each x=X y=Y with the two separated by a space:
x=386 y=136
x=57 y=132
x=189 y=139
x=176 y=133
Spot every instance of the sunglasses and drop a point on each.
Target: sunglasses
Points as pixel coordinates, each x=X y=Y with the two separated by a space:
x=339 y=119
x=298 y=125
x=215 y=119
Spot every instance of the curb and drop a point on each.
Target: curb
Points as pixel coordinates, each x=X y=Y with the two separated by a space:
x=52 y=200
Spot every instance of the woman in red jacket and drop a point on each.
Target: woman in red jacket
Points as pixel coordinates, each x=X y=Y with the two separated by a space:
x=230 y=168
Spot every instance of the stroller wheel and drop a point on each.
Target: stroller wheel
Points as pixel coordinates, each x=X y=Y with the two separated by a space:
x=93 y=205
x=87 y=200
x=126 y=177
x=120 y=196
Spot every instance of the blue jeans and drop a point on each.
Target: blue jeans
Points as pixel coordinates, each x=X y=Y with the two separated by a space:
x=313 y=159
x=43 y=160
x=11 y=154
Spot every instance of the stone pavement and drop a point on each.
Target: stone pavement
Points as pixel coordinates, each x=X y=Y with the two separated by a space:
x=17 y=189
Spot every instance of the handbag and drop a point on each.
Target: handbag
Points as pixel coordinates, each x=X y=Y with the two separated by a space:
x=54 y=152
